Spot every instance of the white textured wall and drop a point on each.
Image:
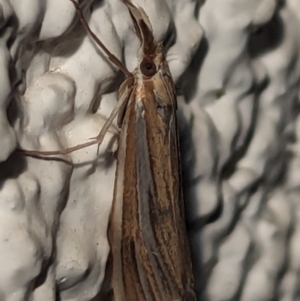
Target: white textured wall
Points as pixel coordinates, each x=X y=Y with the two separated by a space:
x=237 y=63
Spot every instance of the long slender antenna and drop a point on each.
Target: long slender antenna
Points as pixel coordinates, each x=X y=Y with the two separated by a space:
x=111 y=56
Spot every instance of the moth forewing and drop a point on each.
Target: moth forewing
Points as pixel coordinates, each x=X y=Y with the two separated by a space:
x=148 y=238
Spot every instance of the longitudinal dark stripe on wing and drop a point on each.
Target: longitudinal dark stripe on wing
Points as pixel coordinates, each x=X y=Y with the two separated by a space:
x=144 y=186
x=148 y=201
x=136 y=267
x=149 y=211
x=165 y=211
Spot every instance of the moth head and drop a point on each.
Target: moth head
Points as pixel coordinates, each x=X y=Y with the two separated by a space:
x=150 y=64
x=150 y=54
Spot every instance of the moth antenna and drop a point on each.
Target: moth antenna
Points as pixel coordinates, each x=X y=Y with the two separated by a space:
x=110 y=56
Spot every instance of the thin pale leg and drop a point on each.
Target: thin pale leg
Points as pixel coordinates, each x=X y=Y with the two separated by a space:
x=96 y=140
x=111 y=56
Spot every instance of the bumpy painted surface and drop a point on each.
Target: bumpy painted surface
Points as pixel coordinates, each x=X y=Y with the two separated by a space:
x=237 y=63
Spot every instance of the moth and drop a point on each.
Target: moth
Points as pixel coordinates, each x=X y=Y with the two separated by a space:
x=147 y=234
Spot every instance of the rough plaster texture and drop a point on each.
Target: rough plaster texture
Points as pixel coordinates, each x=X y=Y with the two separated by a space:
x=238 y=66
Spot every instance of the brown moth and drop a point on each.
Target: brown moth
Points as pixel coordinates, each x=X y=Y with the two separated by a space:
x=147 y=234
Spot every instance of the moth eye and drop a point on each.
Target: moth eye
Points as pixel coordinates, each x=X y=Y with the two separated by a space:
x=148 y=68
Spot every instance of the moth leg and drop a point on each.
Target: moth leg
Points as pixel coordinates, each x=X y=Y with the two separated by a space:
x=96 y=140
x=119 y=107
x=110 y=56
x=126 y=90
